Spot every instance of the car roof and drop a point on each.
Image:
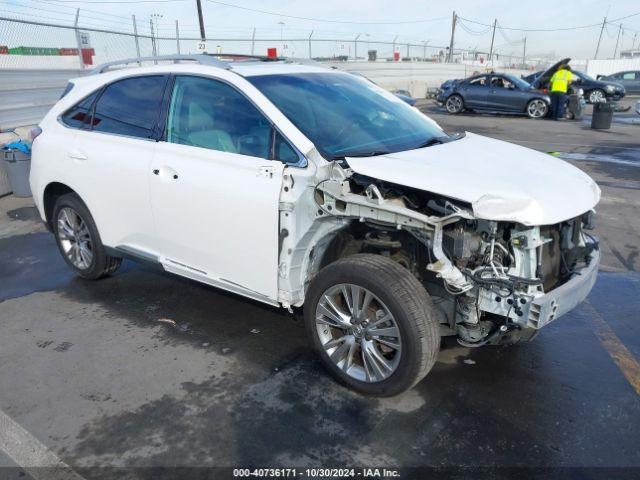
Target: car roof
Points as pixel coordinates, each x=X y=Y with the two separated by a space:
x=242 y=68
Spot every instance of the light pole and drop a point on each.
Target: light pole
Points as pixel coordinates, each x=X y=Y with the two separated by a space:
x=154 y=18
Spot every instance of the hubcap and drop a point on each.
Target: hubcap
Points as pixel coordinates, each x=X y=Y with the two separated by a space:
x=75 y=238
x=537 y=108
x=358 y=332
x=596 y=96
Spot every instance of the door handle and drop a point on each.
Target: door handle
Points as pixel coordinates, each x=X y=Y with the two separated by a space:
x=77 y=155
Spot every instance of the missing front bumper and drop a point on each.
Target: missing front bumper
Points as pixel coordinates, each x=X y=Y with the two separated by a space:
x=566 y=297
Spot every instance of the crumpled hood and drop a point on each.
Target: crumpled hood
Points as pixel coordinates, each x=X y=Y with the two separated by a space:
x=502 y=181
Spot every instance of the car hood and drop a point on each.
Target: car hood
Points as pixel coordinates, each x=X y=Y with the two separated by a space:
x=545 y=76
x=502 y=181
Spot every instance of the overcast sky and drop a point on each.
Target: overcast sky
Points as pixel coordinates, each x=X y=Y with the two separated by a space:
x=224 y=21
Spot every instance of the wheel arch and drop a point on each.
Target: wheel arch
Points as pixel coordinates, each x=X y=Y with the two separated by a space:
x=52 y=192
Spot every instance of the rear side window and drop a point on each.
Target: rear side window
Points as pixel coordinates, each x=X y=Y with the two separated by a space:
x=79 y=114
x=130 y=107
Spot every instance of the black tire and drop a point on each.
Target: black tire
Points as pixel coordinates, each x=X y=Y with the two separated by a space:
x=407 y=301
x=101 y=264
x=454 y=104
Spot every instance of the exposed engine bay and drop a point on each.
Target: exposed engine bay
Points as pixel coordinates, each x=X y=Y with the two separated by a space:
x=489 y=280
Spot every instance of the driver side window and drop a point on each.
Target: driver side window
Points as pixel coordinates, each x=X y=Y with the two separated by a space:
x=210 y=114
x=500 y=82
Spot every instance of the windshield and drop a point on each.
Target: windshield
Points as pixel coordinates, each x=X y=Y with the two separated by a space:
x=345 y=115
x=518 y=82
x=583 y=76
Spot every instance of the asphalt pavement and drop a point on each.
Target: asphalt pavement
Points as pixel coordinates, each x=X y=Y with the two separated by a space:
x=142 y=370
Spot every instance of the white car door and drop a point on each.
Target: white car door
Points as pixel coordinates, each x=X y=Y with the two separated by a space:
x=112 y=159
x=214 y=190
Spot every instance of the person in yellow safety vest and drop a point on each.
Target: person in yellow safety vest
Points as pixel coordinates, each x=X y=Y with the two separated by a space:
x=559 y=85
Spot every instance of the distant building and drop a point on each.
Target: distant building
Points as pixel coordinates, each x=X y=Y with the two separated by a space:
x=630 y=53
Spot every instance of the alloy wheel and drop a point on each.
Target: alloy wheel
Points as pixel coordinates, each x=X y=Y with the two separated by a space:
x=358 y=332
x=75 y=238
x=537 y=109
x=454 y=104
x=596 y=96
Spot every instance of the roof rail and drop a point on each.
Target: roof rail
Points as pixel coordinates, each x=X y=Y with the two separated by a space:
x=202 y=59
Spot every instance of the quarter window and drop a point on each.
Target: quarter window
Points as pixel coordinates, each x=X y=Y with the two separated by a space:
x=210 y=114
x=130 y=106
x=78 y=115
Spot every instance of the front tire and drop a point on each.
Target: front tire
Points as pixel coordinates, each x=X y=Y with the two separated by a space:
x=537 y=108
x=79 y=241
x=454 y=104
x=372 y=324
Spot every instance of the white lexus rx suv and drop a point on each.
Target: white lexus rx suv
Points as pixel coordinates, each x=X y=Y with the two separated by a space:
x=302 y=186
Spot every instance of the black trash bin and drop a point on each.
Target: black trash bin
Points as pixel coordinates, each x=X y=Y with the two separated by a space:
x=602 y=116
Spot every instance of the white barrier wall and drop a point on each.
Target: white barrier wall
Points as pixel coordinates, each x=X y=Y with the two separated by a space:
x=415 y=77
x=607 y=67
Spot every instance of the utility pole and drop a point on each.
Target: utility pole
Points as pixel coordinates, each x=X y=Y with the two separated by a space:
x=493 y=36
x=615 y=51
x=310 y=35
x=454 y=20
x=155 y=17
x=177 y=37
x=633 y=44
x=203 y=36
x=153 y=40
x=355 y=47
x=604 y=22
x=78 y=42
x=524 y=52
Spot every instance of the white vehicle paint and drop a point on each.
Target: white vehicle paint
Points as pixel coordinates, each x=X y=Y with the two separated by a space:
x=501 y=180
x=493 y=231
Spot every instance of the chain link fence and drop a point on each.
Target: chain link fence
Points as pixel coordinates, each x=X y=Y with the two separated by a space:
x=26 y=43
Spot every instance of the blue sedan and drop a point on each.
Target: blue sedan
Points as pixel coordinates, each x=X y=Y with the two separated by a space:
x=493 y=92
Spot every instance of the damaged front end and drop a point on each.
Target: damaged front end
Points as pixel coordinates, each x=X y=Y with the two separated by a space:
x=491 y=282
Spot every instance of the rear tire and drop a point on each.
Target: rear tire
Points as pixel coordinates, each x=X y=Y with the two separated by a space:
x=454 y=104
x=79 y=241
x=382 y=347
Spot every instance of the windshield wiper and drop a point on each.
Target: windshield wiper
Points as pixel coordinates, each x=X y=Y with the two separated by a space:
x=442 y=139
x=374 y=153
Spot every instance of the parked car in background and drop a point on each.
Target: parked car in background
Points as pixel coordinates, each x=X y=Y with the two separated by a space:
x=405 y=96
x=493 y=92
x=630 y=80
x=593 y=90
